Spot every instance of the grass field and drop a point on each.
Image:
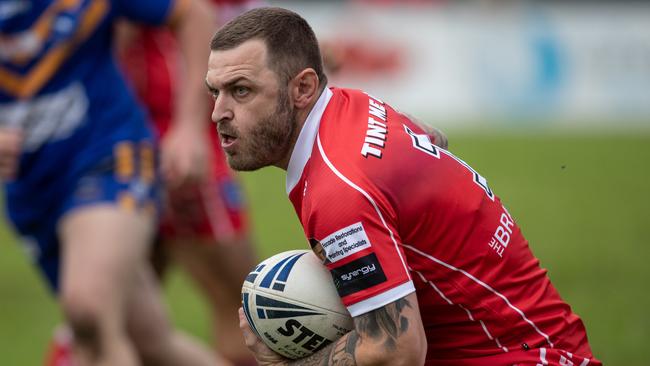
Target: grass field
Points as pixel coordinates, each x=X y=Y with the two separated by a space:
x=582 y=202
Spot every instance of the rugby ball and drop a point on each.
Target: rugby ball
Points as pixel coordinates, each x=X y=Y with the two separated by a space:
x=291 y=303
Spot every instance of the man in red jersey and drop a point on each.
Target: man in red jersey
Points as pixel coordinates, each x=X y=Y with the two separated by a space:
x=430 y=264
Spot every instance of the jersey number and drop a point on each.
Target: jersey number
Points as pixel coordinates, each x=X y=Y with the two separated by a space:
x=423 y=143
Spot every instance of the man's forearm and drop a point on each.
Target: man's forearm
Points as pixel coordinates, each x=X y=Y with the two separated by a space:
x=380 y=330
x=193 y=35
x=340 y=352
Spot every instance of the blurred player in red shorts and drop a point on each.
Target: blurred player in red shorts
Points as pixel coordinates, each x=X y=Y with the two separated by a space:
x=204 y=227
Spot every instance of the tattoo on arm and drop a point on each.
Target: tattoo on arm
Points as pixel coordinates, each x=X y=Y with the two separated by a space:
x=343 y=352
x=340 y=352
x=385 y=323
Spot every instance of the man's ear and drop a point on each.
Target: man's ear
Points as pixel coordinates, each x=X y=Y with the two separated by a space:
x=304 y=87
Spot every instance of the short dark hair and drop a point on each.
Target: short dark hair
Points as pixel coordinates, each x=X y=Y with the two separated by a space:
x=291 y=43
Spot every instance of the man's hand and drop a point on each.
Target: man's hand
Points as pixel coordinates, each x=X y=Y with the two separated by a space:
x=263 y=354
x=185 y=150
x=185 y=155
x=11 y=141
x=437 y=137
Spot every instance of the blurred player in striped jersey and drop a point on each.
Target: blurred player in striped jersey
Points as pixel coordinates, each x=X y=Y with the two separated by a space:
x=204 y=225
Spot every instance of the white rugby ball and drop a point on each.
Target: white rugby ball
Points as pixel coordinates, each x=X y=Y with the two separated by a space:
x=291 y=303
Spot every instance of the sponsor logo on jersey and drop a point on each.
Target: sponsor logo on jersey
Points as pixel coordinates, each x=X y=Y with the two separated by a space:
x=375 y=139
x=342 y=243
x=358 y=275
x=47 y=118
x=10 y=9
x=279 y=273
x=502 y=234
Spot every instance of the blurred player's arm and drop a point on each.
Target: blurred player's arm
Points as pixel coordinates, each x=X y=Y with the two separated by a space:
x=185 y=149
x=391 y=335
x=11 y=140
x=332 y=55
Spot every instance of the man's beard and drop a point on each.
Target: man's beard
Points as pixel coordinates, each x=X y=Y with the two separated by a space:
x=270 y=140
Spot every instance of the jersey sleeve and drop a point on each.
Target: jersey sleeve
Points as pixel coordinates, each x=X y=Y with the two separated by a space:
x=356 y=238
x=153 y=12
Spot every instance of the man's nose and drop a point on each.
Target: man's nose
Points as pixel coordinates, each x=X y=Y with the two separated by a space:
x=221 y=110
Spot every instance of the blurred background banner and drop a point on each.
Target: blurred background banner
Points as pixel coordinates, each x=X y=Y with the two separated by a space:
x=505 y=62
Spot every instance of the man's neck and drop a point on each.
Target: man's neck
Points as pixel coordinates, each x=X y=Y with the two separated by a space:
x=301 y=118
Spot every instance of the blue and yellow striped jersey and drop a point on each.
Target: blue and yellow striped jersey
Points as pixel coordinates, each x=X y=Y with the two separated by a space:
x=60 y=84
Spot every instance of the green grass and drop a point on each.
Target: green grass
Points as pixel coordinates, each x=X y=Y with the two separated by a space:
x=582 y=202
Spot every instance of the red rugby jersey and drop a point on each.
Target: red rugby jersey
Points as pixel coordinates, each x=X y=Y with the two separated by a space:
x=389 y=213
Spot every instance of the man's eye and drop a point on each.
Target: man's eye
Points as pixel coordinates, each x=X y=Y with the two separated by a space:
x=241 y=91
x=214 y=94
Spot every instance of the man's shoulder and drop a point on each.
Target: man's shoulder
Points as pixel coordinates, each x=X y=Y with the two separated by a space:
x=343 y=125
x=353 y=133
x=348 y=95
x=347 y=109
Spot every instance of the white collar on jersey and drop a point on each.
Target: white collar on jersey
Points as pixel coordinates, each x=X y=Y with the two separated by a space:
x=305 y=142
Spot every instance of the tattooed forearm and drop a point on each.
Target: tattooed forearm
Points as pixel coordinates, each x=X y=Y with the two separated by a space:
x=386 y=322
x=340 y=352
x=344 y=354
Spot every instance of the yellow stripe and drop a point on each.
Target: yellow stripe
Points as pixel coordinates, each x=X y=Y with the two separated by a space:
x=147 y=163
x=9 y=82
x=124 y=161
x=91 y=19
x=28 y=85
x=43 y=71
x=42 y=28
